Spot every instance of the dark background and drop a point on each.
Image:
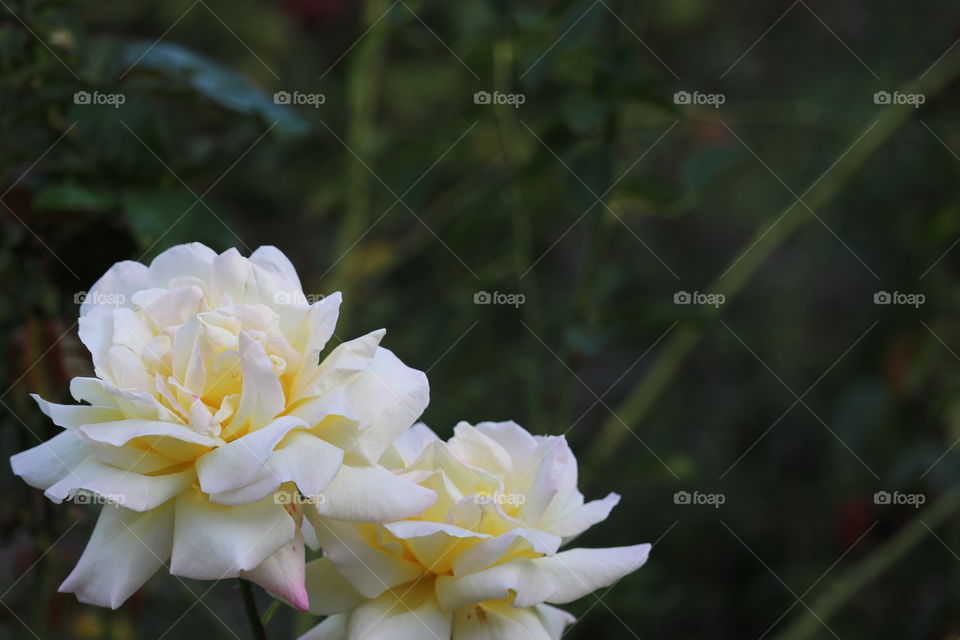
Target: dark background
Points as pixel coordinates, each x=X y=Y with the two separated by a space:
x=598 y=199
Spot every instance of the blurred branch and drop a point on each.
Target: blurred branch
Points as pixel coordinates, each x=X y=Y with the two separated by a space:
x=363 y=89
x=250 y=606
x=873 y=566
x=765 y=240
x=508 y=129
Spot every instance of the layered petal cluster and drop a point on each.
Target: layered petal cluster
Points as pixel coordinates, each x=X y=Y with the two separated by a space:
x=212 y=412
x=482 y=562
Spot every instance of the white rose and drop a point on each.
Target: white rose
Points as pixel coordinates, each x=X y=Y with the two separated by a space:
x=210 y=406
x=482 y=562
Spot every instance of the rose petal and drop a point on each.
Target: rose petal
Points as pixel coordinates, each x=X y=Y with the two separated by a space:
x=353 y=551
x=74 y=415
x=47 y=463
x=303 y=459
x=329 y=591
x=192 y=260
x=407 y=613
x=236 y=464
x=132 y=490
x=498 y=620
x=126 y=548
x=282 y=574
x=557 y=579
x=333 y=628
x=496 y=549
x=373 y=494
x=212 y=542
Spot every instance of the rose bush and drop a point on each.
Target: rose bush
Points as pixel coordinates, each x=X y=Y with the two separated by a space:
x=210 y=401
x=482 y=562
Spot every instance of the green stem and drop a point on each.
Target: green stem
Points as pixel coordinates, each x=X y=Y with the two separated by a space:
x=508 y=128
x=250 y=606
x=363 y=91
x=765 y=240
x=872 y=567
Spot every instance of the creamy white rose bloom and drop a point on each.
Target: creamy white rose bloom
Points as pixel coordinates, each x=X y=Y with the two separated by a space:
x=210 y=401
x=479 y=564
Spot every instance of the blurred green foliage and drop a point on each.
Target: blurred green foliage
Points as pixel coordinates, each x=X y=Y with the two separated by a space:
x=597 y=199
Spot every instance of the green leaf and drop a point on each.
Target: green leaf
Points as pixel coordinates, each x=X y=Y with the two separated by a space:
x=214 y=81
x=706 y=165
x=167 y=217
x=73 y=197
x=269 y=613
